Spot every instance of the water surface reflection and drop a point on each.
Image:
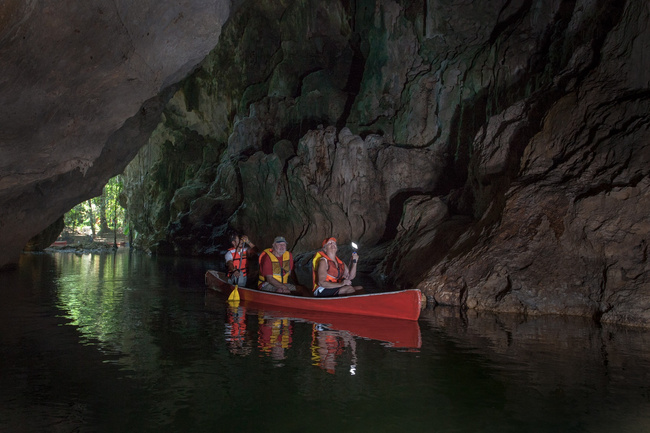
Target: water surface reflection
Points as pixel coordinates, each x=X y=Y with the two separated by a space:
x=128 y=342
x=333 y=336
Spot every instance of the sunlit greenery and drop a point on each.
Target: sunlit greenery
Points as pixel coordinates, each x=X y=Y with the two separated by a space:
x=100 y=215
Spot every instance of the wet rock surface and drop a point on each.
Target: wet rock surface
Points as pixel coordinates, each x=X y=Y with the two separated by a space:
x=493 y=155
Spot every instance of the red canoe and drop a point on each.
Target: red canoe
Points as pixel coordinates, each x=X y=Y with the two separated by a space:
x=404 y=304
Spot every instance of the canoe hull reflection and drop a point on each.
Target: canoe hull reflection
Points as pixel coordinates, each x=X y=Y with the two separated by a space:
x=397 y=333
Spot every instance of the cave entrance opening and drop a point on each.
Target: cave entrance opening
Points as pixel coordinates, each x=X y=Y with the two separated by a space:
x=99 y=220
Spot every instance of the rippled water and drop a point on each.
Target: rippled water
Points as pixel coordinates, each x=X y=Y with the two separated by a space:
x=128 y=343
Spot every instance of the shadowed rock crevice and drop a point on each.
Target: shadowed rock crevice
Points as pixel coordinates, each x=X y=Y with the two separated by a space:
x=395 y=213
x=509 y=22
x=355 y=79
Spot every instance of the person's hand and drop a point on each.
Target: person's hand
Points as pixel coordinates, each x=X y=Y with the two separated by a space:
x=347 y=282
x=355 y=256
x=236 y=273
x=244 y=239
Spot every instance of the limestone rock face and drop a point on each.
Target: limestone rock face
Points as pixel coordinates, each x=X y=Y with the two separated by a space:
x=560 y=180
x=81 y=83
x=276 y=157
x=45 y=238
x=492 y=154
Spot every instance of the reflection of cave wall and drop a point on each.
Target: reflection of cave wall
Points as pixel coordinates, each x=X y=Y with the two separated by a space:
x=549 y=354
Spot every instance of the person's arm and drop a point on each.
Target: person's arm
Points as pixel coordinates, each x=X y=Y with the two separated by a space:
x=352 y=272
x=252 y=249
x=229 y=263
x=275 y=283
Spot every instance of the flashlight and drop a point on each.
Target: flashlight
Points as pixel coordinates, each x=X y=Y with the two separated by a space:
x=355 y=247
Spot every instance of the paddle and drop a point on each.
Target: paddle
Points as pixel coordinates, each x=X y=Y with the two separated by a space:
x=234 y=295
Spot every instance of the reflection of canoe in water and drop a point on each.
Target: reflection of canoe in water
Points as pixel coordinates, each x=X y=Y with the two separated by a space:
x=396 y=332
x=404 y=304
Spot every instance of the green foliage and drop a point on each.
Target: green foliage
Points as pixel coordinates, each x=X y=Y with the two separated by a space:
x=76 y=216
x=105 y=207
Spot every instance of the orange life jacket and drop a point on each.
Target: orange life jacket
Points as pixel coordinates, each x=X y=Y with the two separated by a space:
x=238 y=261
x=335 y=269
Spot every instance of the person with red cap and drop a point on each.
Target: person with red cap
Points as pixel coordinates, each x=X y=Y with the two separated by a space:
x=332 y=277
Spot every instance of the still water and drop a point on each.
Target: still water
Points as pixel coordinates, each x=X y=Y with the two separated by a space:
x=129 y=343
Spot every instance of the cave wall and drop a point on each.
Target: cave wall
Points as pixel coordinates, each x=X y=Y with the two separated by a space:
x=560 y=180
x=269 y=127
x=492 y=154
x=83 y=85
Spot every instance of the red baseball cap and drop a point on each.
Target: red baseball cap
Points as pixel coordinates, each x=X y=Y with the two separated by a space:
x=329 y=240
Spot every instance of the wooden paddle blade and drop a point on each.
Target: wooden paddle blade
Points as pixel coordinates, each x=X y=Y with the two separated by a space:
x=234 y=295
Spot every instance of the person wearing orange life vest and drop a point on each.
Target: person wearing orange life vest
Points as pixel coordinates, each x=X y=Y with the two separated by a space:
x=276 y=265
x=236 y=258
x=332 y=277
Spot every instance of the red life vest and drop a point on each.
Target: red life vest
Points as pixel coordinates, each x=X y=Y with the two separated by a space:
x=239 y=262
x=335 y=269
